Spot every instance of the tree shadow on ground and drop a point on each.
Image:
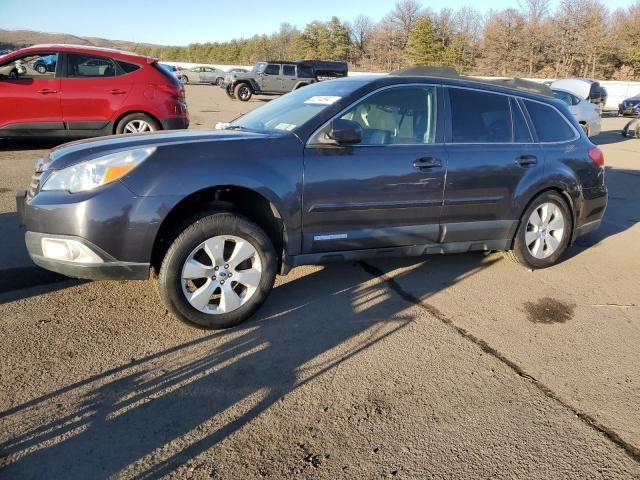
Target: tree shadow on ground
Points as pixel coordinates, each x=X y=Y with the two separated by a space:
x=149 y=417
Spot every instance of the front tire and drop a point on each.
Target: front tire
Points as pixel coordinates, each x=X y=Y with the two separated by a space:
x=218 y=271
x=243 y=92
x=544 y=232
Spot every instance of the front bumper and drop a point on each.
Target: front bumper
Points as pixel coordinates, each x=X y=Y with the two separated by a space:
x=108 y=269
x=117 y=225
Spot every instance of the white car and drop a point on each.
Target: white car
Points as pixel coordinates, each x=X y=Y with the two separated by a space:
x=587 y=114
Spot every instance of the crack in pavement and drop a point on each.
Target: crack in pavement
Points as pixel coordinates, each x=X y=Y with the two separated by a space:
x=631 y=450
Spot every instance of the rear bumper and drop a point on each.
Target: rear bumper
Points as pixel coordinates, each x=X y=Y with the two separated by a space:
x=593 y=208
x=175 y=123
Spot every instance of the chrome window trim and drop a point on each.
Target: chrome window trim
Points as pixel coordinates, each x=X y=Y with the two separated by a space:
x=388 y=87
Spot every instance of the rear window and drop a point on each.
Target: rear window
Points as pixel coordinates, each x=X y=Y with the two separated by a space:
x=549 y=124
x=479 y=117
x=167 y=73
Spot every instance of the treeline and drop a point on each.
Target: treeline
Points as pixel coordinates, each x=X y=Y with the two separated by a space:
x=578 y=37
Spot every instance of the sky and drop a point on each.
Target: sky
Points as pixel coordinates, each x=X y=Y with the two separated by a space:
x=190 y=21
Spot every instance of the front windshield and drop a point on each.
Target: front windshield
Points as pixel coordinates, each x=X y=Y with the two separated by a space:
x=257 y=68
x=296 y=108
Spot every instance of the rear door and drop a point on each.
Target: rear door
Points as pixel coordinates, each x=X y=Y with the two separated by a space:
x=492 y=159
x=30 y=92
x=385 y=191
x=289 y=78
x=93 y=90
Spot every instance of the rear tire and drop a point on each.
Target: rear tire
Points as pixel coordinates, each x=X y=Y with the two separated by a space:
x=184 y=79
x=243 y=92
x=544 y=232
x=229 y=91
x=231 y=287
x=137 y=123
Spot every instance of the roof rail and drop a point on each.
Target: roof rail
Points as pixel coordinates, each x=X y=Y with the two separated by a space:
x=449 y=72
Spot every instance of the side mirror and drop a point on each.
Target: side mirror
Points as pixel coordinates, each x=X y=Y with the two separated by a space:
x=345 y=132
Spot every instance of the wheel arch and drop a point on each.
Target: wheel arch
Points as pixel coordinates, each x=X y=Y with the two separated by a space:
x=130 y=112
x=222 y=198
x=567 y=198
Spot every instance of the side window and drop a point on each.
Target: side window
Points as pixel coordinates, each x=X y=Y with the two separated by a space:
x=89 y=66
x=34 y=65
x=126 y=67
x=521 y=133
x=574 y=100
x=549 y=124
x=289 y=70
x=479 y=117
x=400 y=116
x=564 y=96
x=272 y=69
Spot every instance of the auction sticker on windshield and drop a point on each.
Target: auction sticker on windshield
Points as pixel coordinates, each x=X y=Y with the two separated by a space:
x=322 y=100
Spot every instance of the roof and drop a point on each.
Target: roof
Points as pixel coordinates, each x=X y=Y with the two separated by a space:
x=450 y=73
x=91 y=48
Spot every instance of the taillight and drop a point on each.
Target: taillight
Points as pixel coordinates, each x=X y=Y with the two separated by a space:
x=596 y=156
x=178 y=93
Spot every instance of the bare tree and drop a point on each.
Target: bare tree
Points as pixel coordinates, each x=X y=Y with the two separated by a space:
x=361 y=31
x=403 y=18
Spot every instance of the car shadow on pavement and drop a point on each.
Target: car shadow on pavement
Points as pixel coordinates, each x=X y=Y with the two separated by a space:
x=18 y=274
x=19 y=144
x=148 y=418
x=609 y=137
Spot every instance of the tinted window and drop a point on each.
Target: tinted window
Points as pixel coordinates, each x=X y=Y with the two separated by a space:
x=398 y=116
x=289 y=70
x=89 y=66
x=33 y=65
x=479 y=117
x=521 y=131
x=548 y=123
x=564 y=96
x=127 y=67
x=272 y=69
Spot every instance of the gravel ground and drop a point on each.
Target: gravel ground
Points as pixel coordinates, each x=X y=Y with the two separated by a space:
x=460 y=366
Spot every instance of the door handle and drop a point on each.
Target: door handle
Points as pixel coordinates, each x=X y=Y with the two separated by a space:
x=115 y=91
x=47 y=91
x=527 y=160
x=426 y=163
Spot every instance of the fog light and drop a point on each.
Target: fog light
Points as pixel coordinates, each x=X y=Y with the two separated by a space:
x=68 y=250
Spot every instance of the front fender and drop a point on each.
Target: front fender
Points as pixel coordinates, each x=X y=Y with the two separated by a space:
x=271 y=167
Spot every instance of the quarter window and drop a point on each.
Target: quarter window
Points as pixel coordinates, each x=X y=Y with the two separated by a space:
x=272 y=69
x=89 y=66
x=479 y=117
x=126 y=67
x=548 y=123
x=399 y=116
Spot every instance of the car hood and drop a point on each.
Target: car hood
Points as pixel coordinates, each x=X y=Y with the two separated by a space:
x=82 y=150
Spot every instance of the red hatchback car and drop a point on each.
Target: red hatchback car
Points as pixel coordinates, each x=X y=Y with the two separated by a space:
x=75 y=91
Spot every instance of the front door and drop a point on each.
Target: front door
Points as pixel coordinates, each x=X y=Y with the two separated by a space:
x=492 y=159
x=30 y=92
x=92 y=91
x=385 y=191
x=271 y=80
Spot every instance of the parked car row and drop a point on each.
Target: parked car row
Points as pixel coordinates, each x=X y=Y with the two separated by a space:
x=74 y=91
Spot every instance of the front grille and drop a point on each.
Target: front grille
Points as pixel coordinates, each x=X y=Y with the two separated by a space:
x=34 y=186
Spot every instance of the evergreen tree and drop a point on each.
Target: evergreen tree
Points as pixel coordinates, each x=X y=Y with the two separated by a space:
x=424 y=46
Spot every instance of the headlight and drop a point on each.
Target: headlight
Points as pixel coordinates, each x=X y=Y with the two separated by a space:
x=99 y=171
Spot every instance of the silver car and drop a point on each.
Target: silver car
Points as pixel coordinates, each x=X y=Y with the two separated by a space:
x=209 y=75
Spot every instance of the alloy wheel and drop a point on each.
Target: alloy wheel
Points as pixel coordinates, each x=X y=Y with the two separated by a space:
x=221 y=274
x=137 y=126
x=545 y=230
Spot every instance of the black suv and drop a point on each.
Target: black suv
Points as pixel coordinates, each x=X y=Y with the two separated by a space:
x=276 y=78
x=411 y=163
